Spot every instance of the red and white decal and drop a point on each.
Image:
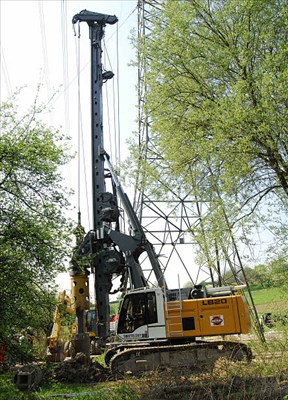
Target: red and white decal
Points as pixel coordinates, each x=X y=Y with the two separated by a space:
x=216 y=320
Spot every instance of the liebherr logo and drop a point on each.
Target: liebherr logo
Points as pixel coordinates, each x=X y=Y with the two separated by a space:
x=209 y=302
x=216 y=320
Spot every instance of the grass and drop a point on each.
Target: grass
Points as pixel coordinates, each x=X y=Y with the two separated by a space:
x=266 y=377
x=98 y=391
x=269 y=299
x=225 y=381
x=267 y=295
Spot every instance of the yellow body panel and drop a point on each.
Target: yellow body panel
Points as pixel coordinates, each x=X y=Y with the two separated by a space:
x=207 y=317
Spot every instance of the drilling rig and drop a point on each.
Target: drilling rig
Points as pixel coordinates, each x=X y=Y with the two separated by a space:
x=112 y=252
x=157 y=326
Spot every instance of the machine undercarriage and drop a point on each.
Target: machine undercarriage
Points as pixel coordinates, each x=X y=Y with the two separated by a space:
x=136 y=358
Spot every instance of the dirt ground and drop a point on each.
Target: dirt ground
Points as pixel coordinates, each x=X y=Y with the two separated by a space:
x=77 y=370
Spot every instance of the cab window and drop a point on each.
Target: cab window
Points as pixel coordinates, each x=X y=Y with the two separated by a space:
x=137 y=310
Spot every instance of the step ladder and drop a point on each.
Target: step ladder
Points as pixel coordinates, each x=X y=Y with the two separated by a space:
x=173 y=310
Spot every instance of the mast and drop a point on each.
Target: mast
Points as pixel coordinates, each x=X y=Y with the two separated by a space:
x=112 y=253
x=101 y=199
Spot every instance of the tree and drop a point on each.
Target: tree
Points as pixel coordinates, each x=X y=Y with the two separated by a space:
x=279 y=271
x=217 y=90
x=34 y=233
x=216 y=96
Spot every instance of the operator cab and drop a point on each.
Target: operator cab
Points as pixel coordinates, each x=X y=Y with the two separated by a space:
x=139 y=315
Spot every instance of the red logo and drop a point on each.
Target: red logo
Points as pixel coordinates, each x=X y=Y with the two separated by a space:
x=217 y=320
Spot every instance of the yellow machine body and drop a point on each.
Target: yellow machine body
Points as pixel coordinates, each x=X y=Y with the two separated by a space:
x=149 y=314
x=172 y=331
x=207 y=316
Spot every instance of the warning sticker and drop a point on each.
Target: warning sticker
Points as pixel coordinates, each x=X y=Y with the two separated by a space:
x=216 y=320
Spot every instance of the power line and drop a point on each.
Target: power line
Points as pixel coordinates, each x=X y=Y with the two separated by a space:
x=5 y=73
x=44 y=48
x=65 y=63
x=80 y=138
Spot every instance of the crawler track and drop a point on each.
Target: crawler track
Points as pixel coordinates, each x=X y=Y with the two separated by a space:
x=194 y=356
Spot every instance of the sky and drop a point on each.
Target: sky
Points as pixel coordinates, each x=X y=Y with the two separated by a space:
x=38 y=46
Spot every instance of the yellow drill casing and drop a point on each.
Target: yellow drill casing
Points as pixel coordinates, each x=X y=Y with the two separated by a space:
x=80 y=292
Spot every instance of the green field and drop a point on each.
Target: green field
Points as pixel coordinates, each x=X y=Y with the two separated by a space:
x=270 y=299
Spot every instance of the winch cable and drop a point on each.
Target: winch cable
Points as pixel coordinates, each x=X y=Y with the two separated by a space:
x=113 y=145
x=110 y=141
x=80 y=138
x=65 y=71
x=118 y=155
x=115 y=141
x=117 y=137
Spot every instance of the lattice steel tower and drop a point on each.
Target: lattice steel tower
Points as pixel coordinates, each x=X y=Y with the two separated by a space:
x=170 y=223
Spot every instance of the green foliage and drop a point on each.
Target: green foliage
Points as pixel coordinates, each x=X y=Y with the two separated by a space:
x=271 y=274
x=216 y=75
x=263 y=275
x=34 y=233
x=114 y=307
x=217 y=90
x=279 y=272
x=8 y=389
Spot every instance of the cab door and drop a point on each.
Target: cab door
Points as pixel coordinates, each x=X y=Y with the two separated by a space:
x=139 y=316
